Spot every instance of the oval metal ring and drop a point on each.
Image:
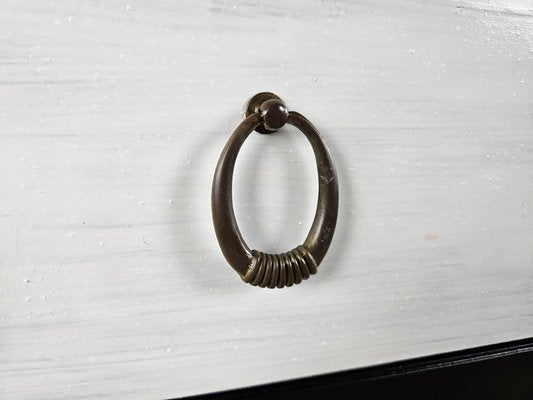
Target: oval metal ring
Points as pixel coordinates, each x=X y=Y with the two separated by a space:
x=266 y=113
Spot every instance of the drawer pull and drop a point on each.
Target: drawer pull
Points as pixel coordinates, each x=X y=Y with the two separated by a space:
x=266 y=113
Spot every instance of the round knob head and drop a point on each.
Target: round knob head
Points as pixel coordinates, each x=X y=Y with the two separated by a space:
x=274 y=114
x=272 y=109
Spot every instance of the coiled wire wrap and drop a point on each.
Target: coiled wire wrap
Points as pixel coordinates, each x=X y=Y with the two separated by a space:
x=280 y=270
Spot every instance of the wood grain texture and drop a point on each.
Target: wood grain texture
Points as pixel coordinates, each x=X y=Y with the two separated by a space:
x=112 y=117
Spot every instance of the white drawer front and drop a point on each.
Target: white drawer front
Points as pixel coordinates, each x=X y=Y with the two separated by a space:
x=112 y=118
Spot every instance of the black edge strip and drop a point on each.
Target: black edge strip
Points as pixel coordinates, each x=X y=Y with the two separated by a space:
x=499 y=371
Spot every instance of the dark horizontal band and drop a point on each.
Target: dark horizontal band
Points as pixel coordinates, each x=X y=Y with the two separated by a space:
x=496 y=372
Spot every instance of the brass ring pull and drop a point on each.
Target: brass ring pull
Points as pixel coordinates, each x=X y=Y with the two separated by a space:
x=266 y=113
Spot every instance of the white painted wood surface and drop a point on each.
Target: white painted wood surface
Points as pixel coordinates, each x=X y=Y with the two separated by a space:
x=112 y=117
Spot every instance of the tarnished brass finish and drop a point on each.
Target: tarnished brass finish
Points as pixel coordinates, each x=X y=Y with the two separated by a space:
x=266 y=113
